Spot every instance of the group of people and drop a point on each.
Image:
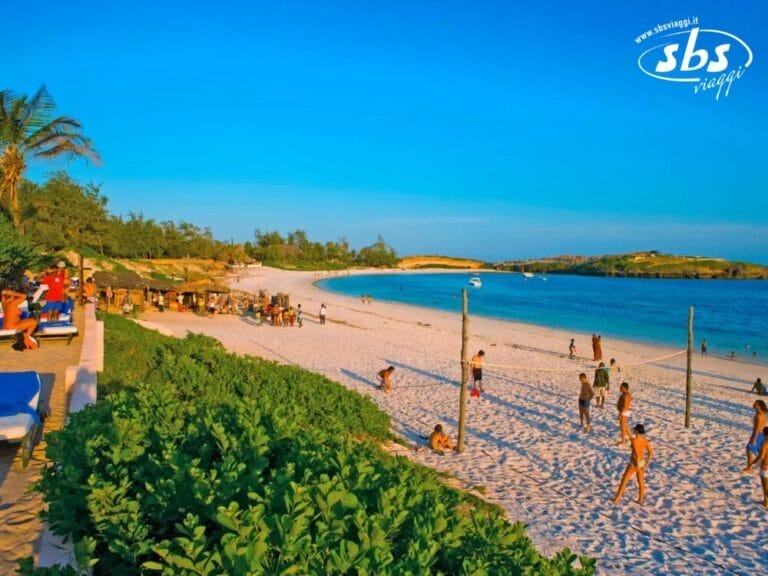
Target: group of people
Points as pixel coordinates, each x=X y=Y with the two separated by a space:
x=597 y=348
x=366 y=299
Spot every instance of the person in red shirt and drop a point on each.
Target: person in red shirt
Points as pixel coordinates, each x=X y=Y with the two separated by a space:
x=12 y=316
x=55 y=279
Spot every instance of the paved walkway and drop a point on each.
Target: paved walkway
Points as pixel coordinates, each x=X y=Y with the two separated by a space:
x=20 y=527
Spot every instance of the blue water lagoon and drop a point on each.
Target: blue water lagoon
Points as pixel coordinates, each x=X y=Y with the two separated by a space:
x=730 y=315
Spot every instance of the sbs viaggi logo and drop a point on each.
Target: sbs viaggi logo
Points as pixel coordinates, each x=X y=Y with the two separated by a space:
x=712 y=60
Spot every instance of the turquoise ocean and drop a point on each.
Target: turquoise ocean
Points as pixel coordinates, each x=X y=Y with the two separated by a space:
x=732 y=315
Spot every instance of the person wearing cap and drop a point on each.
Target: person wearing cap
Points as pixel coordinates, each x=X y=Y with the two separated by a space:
x=639 y=460
x=56 y=280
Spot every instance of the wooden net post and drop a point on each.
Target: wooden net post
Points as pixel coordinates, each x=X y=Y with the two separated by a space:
x=689 y=370
x=464 y=369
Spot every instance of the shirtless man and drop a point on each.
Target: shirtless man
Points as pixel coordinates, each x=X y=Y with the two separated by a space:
x=638 y=462
x=439 y=441
x=623 y=407
x=757 y=439
x=384 y=378
x=476 y=366
x=12 y=317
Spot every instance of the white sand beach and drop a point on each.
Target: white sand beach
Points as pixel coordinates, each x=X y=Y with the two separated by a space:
x=524 y=448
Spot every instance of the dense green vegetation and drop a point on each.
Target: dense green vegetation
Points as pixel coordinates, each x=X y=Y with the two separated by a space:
x=15 y=253
x=296 y=250
x=642 y=264
x=197 y=461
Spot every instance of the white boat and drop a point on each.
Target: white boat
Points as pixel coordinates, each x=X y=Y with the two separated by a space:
x=475 y=281
x=528 y=274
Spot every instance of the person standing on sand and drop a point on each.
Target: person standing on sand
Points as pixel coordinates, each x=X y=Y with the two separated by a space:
x=602 y=384
x=623 y=406
x=638 y=462
x=299 y=316
x=439 y=441
x=384 y=378
x=597 y=347
x=757 y=439
x=571 y=349
x=476 y=366
x=323 y=310
x=762 y=457
x=704 y=347
x=585 y=397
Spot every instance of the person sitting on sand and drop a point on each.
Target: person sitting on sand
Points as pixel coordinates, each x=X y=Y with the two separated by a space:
x=439 y=441
x=602 y=384
x=613 y=366
x=758 y=387
x=762 y=457
x=476 y=366
x=385 y=383
x=639 y=460
x=623 y=407
x=585 y=397
x=757 y=438
x=12 y=317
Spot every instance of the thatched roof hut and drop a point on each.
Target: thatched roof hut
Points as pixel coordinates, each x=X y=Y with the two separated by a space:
x=130 y=281
x=203 y=285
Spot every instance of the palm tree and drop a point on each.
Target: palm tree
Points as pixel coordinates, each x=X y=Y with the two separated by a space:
x=28 y=131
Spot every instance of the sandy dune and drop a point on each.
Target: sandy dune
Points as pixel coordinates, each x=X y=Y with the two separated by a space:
x=525 y=450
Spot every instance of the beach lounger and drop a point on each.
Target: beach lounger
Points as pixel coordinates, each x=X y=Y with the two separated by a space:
x=56 y=330
x=19 y=404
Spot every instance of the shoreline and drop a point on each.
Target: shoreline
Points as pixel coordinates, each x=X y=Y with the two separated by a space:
x=521 y=324
x=524 y=447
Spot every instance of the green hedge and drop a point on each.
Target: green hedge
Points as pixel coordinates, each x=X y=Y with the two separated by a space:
x=201 y=462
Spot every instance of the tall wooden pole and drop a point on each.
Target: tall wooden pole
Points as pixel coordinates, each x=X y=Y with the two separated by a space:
x=464 y=369
x=81 y=282
x=689 y=370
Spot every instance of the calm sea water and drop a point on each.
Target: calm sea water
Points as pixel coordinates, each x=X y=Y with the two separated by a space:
x=731 y=315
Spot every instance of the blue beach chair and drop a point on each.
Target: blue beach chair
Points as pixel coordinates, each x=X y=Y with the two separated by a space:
x=19 y=405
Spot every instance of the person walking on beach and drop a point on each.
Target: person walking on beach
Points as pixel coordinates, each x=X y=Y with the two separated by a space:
x=762 y=457
x=571 y=349
x=623 y=407
x=476 y=366
x=757 y=439
x=597 y=347
x=439 y=441
x=602 y=384
x=299 y=316
x=585 y=397
x=704 y=347
x=323 y=310
x=385 y=383
x=639 y=460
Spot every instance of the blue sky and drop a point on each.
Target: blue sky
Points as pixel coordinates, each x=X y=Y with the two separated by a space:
x=486 y=129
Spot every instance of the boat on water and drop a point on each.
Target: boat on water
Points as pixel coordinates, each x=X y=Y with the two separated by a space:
x=475 y=281
x=528 y=274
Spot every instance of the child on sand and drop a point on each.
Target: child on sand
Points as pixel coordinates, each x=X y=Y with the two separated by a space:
x=757 y=439
x=623 y=407
x=638 y=462
x=476 y=365
x=571 y=349
x=385 y=383
x=762 y=457
x=585 y=397
x=439 y=441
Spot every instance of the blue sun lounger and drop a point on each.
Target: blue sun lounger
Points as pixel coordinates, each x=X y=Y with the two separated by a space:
x=19 y=405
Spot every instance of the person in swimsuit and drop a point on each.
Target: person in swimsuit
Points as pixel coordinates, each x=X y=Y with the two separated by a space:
x=623 y=407
x=384 y=378
x=638 y=462
x=762 y=457
x=757 y=438
x=585 y=397
x=476 y=366
x=439 y=441
x=571 y=349
x=12 y=316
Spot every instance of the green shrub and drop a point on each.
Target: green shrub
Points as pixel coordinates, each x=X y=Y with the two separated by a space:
x=202 y=462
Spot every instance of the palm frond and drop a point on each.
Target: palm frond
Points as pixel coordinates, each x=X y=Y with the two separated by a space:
x=38 y=109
